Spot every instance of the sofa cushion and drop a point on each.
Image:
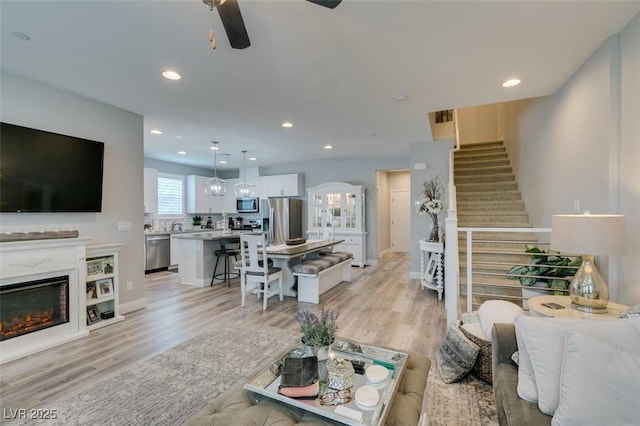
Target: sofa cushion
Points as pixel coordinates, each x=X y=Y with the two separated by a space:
x=497 y=311
x=456 y=356
x=597 y=375
x=544 y=340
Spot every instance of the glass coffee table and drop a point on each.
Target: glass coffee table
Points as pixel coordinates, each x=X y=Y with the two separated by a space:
x=266 y=383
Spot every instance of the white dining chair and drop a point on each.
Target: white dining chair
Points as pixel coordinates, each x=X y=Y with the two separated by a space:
x=257 y=275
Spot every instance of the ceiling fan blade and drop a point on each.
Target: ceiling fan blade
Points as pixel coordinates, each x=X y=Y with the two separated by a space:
x=331 y=4
x=233 y=24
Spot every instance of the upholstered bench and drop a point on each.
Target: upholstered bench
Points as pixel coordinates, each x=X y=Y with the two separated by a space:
x=237 y=406
x=320 y=274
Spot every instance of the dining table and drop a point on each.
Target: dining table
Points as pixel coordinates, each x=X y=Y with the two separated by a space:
x=285 y=256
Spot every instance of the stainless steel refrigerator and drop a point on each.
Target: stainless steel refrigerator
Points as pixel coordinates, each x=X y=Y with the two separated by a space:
x=282 y=219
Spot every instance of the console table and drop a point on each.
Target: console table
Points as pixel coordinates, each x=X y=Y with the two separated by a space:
x=431 y=275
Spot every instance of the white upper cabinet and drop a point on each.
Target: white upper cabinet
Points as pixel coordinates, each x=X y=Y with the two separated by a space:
x=229 y=199
x=197 y=200
x=150 y=190
x=289 y=185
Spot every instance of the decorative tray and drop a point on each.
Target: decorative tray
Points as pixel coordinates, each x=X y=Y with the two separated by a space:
x=266 y=383
x=295 y=241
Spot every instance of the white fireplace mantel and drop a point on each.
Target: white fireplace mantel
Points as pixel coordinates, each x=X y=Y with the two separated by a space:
x=23 y=261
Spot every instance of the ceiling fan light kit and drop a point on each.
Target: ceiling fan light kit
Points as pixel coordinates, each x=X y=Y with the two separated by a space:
x=215 y=186
x=233 y=23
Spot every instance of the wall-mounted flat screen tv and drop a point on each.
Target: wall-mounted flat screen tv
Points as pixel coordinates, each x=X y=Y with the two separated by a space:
x=47 y=172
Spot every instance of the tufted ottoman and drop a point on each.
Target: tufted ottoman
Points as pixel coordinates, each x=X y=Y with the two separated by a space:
x=238 y=407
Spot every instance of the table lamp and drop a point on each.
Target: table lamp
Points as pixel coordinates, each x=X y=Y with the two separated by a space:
x=589 y=234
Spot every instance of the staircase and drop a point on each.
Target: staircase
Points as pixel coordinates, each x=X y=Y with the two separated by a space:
x=488 y=196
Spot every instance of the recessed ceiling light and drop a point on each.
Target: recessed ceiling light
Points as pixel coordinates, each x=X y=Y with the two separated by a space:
x=287 y=124
x=328 y=147
x=399 y=98
x=223 y=161
x=511 y=83
x=171 y=75
x=21 y=36
x=252 y=158
x=156 y=132
x=182 y=152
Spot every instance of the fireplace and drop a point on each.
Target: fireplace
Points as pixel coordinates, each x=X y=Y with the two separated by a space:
x=42 y=295
x=34 y=305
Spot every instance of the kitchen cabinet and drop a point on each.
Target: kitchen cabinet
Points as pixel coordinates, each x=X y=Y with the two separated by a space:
x=102 y=285
x=229 y=199
x=289 y=185
x=175 y=255
x=199 y=202
x=150 y=190
x=336 y=211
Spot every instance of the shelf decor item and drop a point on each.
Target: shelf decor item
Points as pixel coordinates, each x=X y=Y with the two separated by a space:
x=92 y=315
x=104 y=287
x=589 y=234
x=430 y=202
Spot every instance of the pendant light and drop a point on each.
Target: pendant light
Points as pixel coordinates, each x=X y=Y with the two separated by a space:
x=244 y=188
x=215 y=186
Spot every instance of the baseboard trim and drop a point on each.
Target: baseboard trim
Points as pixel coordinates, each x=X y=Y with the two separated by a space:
x=134 y=305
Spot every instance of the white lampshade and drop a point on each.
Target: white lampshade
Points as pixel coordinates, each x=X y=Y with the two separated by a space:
x=595 y=234
x=588 y=235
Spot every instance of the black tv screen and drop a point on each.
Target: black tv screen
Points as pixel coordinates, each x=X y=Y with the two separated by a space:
x=47 y=172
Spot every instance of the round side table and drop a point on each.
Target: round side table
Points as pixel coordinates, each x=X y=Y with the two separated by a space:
x=536 y=307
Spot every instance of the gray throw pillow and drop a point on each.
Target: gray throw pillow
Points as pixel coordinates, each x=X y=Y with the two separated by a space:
x=456 y=356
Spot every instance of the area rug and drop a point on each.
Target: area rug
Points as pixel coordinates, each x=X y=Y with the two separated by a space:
x=469 y=402
x=171 y=387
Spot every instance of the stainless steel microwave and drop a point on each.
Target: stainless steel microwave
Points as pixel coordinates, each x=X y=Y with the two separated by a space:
x=248 y=205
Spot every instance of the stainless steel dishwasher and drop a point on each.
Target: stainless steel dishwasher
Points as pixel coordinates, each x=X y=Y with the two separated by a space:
x=158 y=248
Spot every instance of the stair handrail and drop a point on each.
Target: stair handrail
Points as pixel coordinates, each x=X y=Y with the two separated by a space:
x=468 y=231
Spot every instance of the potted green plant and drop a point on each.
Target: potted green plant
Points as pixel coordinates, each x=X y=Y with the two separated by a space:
x=196 y=220
x=547 y=269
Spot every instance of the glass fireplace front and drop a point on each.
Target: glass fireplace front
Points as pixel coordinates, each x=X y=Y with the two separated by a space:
x=35 y=305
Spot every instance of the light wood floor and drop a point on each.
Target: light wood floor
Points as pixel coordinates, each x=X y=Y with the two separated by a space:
x=381 y=305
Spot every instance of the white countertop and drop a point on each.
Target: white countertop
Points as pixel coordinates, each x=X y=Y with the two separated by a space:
x=210 y=235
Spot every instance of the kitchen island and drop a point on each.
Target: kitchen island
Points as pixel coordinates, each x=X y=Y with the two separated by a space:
x=196 y=254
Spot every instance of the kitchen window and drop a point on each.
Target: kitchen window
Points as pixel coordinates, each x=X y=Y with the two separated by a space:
x=170 y=195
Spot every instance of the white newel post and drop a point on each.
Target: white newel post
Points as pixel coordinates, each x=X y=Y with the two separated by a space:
x=451 y=268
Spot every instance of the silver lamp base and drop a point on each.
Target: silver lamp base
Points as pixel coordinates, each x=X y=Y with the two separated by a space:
x=588 y=290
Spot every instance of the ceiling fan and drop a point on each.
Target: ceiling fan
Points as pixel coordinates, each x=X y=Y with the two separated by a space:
x=234 y=25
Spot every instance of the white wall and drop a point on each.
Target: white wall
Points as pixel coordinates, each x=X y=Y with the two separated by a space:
x=582 y=145
x=436 y=155
x=629 y=165
x=478 y=124
x=31 y=104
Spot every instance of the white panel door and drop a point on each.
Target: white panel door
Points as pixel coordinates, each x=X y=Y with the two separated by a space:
x=401 y=220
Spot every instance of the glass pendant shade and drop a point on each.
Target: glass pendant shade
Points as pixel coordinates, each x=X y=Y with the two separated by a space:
x=215 y=186
x=244 y=188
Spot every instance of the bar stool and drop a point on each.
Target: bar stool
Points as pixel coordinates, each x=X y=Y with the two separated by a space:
x=225 y=253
